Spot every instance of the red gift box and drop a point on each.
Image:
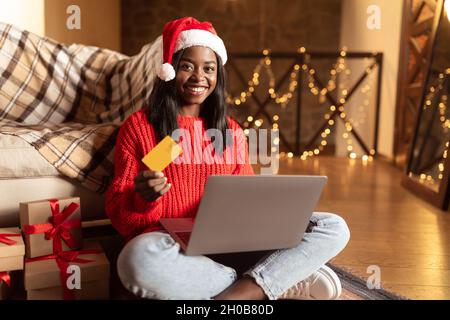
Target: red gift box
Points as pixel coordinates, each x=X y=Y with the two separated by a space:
x=51 y=226
x=12 y=249
x=47 y=277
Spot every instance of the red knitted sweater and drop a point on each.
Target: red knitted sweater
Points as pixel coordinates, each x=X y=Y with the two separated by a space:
x=131 y=214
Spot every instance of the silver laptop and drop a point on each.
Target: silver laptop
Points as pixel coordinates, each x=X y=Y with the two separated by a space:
x=248 y=213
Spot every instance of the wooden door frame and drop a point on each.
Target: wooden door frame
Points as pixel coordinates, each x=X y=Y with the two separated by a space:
x=440 y=198
x=405 y=86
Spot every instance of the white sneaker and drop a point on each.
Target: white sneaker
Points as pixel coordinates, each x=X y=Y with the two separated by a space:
x=323 y=284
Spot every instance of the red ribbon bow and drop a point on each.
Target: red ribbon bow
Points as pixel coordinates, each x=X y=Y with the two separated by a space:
x=58 y=227
x=6 y=278
x=4 y=238
x=63 y=260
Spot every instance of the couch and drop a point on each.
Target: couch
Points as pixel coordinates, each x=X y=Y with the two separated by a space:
x=60 y=111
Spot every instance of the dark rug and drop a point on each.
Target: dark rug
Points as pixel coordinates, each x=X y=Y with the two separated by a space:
x=355 y=288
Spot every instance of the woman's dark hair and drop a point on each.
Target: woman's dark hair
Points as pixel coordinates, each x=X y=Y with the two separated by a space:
x=164 y=104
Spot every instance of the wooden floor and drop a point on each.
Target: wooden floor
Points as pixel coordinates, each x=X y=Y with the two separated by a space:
x=390 y=227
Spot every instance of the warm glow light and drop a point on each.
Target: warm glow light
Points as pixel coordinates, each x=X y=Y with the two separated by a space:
x=284 y=99
x=447 y=8
x=276 y=141
x=25 y=14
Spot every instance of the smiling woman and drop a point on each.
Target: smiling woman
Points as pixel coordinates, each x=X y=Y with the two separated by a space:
x=198 y=90
x=189 y=95
x=196 y=78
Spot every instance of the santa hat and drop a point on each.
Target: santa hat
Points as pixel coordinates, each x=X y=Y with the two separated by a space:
x=184 y=33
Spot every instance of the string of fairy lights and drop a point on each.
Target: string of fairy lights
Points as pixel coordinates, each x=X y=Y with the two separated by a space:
x=433 y=90
x=283 y=99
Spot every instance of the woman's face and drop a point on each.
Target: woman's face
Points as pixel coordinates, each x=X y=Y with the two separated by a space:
x=196 y=75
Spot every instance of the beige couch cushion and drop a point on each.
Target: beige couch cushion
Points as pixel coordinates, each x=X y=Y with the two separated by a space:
x=26 y=176
x=14 y=191
x=18 y=159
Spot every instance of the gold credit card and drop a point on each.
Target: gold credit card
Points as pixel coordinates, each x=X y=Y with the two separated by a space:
x=163 y=154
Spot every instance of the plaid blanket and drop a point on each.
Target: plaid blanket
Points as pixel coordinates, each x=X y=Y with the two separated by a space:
x=69 y=101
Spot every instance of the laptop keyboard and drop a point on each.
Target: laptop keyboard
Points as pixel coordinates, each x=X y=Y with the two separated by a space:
x=184 y=236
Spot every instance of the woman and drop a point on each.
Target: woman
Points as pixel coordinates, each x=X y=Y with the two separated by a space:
x=190 y=96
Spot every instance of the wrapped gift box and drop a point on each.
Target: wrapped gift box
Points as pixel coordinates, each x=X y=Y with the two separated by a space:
x=51 y=226
x=44 y=275
x=12 y=249
x=93 y=290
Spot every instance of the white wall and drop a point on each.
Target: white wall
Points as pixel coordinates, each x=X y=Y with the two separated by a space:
x=357 y=37
x=26 y=14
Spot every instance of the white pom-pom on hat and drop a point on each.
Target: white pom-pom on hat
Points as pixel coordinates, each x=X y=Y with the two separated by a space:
x=184 y=33
x=166 y=72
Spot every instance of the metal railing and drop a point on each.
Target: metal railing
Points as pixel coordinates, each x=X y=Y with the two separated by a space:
x=300 y=58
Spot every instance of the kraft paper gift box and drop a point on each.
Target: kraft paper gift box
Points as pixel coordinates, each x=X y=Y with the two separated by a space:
x=47 y=278
x=12 y=249
x=51 y=226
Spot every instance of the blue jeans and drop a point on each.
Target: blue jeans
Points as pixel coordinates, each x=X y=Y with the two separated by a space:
x=152 y=265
